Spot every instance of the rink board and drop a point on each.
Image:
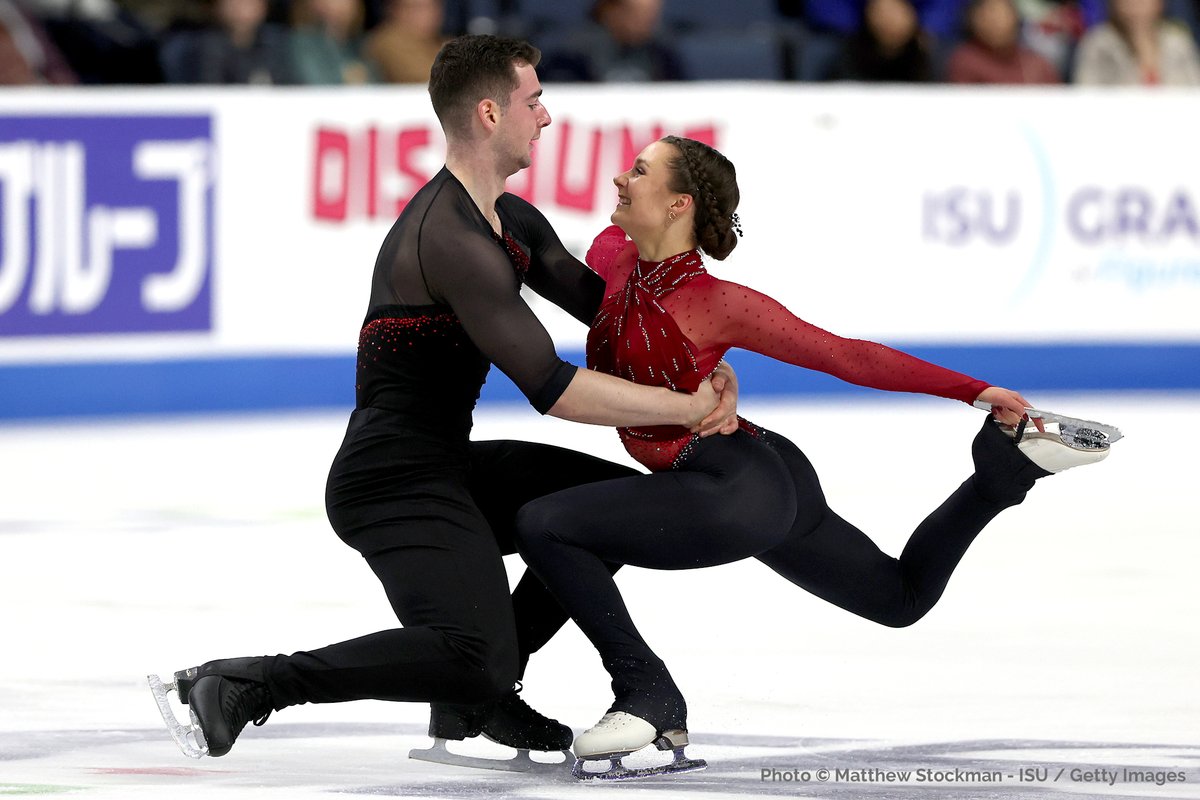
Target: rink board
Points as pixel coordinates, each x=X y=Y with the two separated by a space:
x=214 y=246
x=313 y=382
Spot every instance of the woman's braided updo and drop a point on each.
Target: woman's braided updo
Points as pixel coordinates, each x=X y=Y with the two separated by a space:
x=709 y=177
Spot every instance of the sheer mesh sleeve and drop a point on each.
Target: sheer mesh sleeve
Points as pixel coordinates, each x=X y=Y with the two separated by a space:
x=737 y=316
x=554 y=273
x=473 y=276
x=611 y=253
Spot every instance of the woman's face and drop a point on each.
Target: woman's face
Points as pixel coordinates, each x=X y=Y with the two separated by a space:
x=644 y=200
x=242 y=14
x=893 y=22
x=421 y=18
x=995 y=24
x=340 y=15
x=632 y=22
x=1138 y=12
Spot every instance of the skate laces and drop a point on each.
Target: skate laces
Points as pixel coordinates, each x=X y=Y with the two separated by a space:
x=245 y=703
x=515 y=704
x=512 y=722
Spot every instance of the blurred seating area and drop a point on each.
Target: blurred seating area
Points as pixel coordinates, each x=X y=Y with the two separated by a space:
x=348 y=42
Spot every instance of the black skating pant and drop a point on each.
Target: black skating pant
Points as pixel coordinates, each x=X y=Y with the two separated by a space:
x=432 y=518
x=737 y=497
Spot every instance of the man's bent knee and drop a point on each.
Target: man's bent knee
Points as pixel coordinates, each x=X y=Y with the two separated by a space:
x=486 y=684
x=483 y=672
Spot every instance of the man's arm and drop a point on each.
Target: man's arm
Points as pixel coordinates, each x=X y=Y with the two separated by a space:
x=601 y=399
x=575 y=287
x=475 y=278
x=554 y=273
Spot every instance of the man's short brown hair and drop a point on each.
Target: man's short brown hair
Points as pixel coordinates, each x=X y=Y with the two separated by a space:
x=469 y=69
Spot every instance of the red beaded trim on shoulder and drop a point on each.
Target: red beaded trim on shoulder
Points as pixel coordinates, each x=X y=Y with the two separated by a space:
x=518 y=257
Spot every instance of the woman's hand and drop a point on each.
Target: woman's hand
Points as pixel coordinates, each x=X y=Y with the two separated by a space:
x=1007 y=406
x=723 y=419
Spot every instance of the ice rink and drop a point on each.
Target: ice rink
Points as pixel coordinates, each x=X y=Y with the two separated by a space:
x=1061 y=662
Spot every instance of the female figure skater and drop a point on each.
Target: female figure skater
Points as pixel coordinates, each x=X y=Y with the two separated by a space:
x=665 y=321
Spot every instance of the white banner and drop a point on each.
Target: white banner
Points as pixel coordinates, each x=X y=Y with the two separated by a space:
x=174 y=223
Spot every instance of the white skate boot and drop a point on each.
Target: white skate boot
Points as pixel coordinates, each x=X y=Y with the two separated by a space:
x=618 y=734
x=1076 y=442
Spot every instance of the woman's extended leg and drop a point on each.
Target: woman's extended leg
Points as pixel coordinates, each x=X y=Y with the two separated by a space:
x=827 y=556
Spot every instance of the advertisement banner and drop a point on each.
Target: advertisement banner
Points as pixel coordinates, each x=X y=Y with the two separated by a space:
x=211 y=229
x=106 y=224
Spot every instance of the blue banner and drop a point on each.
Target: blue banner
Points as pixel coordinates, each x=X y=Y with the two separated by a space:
x=106 y=224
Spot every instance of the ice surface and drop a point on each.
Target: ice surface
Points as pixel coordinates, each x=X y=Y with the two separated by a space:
x=1068 y=639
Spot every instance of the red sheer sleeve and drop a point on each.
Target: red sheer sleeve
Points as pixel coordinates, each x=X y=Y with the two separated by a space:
x=611 y=255
x=737 y=316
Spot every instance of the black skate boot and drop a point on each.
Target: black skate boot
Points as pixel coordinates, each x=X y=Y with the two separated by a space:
x=509 y=721
x=1003 y=473
x=512 y=722
x=223 y=696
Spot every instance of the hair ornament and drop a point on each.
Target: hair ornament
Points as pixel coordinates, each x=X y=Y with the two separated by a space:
x=736 y=222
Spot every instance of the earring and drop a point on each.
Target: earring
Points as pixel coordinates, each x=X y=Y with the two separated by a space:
x=670 y=216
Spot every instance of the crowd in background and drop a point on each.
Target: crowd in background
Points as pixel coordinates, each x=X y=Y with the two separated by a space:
x=342 y=42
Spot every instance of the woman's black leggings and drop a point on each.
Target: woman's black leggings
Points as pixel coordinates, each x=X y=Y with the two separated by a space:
x=733 y=497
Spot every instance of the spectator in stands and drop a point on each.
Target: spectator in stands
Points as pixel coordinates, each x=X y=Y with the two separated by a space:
x=163 y=16
x=993 y=52
x=327 y=43
x=242 y=47
x=890 y=46
x=1137 y=47
x=622 y=44
x=940 y=18
x=27 y=56
x=100 y=40
x=404 y=45
x=1053 y=27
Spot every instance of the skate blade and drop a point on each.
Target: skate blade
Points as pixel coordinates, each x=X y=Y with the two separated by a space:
x=1081 y=434
x=521 y=762
x=619 y=772
x=189 y=737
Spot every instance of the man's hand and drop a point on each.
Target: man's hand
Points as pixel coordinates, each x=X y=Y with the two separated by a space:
x=723 y=419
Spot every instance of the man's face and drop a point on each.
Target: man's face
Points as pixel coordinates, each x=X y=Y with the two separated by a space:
x=521 y=123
